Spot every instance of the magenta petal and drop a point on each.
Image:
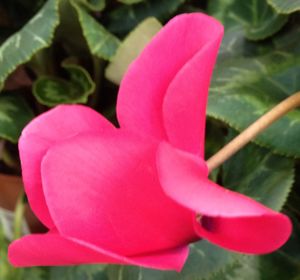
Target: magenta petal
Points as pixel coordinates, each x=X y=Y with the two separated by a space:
x=52 y=249
x=32 y=149
x=229 y=219
x=145 y=84
x=184 y=107
x=43 y=132
x=105 y=190
x=168 y=259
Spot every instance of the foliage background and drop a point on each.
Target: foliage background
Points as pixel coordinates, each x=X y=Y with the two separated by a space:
x=76 y=51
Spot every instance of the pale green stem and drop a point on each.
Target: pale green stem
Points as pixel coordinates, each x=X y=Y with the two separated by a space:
x=19 y=216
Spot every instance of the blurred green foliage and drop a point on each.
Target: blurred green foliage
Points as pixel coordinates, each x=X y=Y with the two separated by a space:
x=58 y=51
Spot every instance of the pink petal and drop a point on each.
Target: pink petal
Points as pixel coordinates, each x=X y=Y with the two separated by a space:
x=186 y=38
x=52 y=249
x=105 y=190
x=229 y=219
x=184 y=106
x=43 y=132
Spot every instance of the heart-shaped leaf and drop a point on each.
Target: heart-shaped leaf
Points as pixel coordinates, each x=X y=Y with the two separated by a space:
x=52 y=91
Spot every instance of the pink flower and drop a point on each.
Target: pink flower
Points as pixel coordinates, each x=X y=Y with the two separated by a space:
x=130 y=195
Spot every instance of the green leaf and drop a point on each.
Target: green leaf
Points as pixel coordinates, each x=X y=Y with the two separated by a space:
x=34 y=273
x=130 y=2
x=130 y=48
x=15 y=14
x=269 y=267
x=52 y=91
x=204 y=260
x=265 y=177
x=258 y=19
x=14 y=115
x=250 y=79
x=124 y=18
x=34 y=36
x=93 y=5
x=219 y=8
x=286 y=6
x=88 y=272
x=101 y=42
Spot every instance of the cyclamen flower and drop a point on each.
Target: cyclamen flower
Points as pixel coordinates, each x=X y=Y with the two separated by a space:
x=131 y=195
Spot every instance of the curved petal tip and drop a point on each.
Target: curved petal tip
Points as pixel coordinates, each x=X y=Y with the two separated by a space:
x=227 y=218
x=259 y=234
x=188 y=42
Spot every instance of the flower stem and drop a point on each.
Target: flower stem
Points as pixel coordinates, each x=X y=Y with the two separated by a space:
x=253 y=130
